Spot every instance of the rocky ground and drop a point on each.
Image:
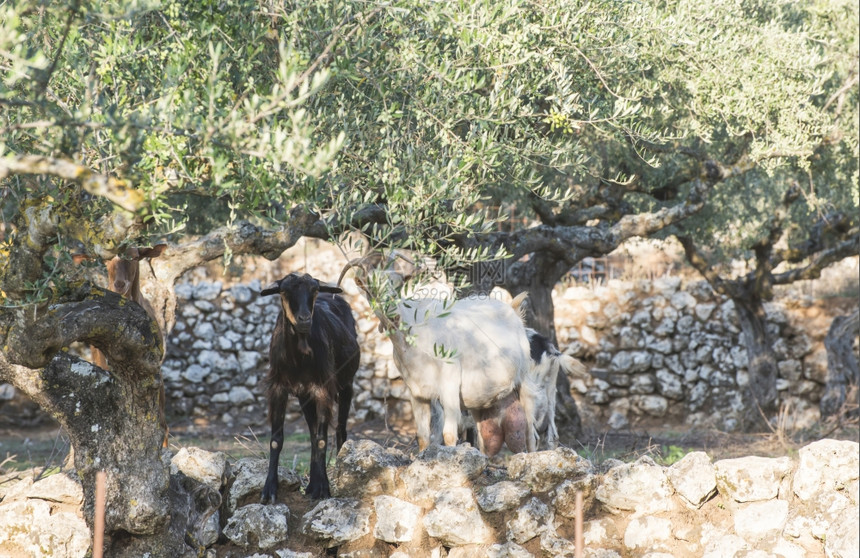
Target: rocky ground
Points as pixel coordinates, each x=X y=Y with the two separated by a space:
x=455 y=502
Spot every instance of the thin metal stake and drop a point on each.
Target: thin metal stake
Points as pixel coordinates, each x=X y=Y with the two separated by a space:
x=577 y=527
x=99 y=519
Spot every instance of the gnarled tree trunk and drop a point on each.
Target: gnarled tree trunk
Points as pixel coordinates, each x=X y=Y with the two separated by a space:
x=112 y=417
x=760 y=395
x=843 y=372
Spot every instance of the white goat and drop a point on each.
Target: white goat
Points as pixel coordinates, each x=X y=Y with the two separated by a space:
x=470 y=353
x=547 y=362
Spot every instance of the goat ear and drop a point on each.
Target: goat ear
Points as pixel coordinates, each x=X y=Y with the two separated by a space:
x=274 y=288
x=326 y=288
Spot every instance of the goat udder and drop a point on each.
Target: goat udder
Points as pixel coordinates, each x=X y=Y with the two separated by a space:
x=514 y=426
x=491 y=435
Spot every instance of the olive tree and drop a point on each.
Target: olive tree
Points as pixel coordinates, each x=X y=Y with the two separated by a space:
x=759 y=98
x=114 y=118
x=236 y=127
x=795 y=212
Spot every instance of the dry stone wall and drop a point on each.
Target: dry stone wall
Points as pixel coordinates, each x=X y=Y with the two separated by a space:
x=656 y=350
x=455 y=502
x=666 y=350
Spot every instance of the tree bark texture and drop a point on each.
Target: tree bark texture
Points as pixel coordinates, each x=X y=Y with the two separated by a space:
x=760 y=394
x=843 y=372
x=112 y=417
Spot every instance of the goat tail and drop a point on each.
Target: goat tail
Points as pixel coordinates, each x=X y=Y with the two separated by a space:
x=518 y=304
x=572 y=366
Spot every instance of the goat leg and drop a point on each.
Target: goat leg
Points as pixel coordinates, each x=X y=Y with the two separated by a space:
x=422 y=412
x=344 y=400
x=277 y=414
x=318 y=486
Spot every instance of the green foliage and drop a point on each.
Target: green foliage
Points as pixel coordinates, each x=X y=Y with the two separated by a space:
x=435 y=110
x=670 y=454
x=776 y=86
x=181 y=98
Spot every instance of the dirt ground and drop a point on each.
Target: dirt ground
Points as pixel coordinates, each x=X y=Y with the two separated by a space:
x=46 y=446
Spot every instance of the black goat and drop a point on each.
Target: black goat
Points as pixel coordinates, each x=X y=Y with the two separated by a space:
x=313 y=355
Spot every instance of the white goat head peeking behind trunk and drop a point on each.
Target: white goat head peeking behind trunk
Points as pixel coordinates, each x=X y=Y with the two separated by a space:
x=473 y=352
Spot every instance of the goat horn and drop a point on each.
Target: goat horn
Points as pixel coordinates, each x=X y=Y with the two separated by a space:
x=349 y=265
x=355 y=262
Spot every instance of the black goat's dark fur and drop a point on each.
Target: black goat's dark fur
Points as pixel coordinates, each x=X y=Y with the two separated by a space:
x=315 y=361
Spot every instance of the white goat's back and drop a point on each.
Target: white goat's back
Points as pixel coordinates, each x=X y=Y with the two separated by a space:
x=484 y=336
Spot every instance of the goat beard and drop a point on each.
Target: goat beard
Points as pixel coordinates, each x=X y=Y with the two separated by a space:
x=304 y=346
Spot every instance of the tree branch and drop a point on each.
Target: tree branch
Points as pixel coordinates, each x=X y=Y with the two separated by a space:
x=812 y=270
x=700 y=264
x=114 y=190
x=123 y=331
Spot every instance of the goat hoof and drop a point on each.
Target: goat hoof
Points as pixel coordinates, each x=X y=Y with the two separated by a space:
x=317 y=492
x=269 y=496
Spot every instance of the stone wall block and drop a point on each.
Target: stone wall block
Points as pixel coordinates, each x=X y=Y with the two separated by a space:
x=441 y=467
x=693 y=478
x=641 y=486
x=502 y=496
x=397 y=521
x=365 y=469
x=828 y=465
x=648 y=534
x=258 y=525
x=455 y=519
x=530 y=520
x=759 y=520
x=751 y=479
x=543 y=470
x=337 y=520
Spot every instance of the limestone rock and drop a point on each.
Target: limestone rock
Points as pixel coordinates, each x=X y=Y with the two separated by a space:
x=258 y=525
x=208 y=467
x=827 y=465
x=759 y=520
x=565 y=495
x=641 y=486
x=285 y=553
x=648 y=533
x=207 y=291
x=455 y=519
x=60 y=534
x=750 y=479
x=530 y=520
x=507 y=550
x=600 y=532
x=365 y=469
x=554 y=545
x=502 y=496
x=693 y=478
x=250 y=476
x=441 y=467
x=396 y=520
x=58 y=488
x=543 y=470
x=841 y=539
x=337 y=520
